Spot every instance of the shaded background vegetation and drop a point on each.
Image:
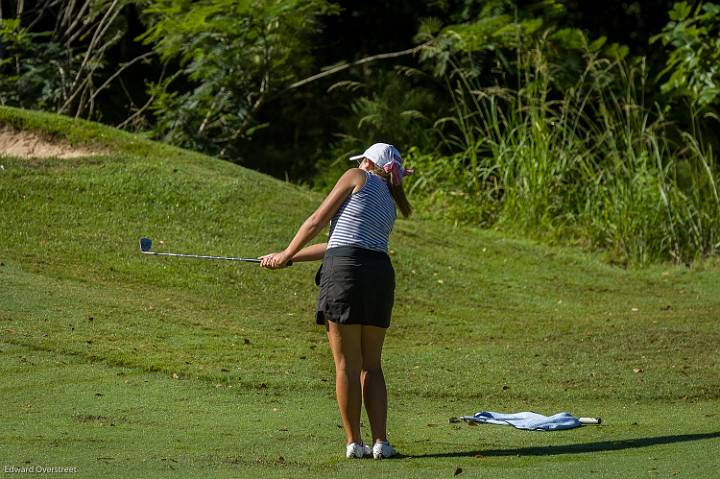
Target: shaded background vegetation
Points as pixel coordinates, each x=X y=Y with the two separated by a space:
x=585 y=122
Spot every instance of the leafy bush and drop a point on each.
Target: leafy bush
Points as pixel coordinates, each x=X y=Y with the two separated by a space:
x=232 y=57
x=33 y=71
x=62 y=70
x=694 y=43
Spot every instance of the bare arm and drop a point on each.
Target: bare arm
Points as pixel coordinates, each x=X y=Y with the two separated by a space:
x=311 y=253
x=349 y=182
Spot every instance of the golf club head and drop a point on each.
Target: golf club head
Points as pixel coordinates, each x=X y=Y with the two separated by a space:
x=145 y=244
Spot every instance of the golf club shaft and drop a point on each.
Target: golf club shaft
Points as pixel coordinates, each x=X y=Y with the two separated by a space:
x=198 y=256
x=146 y=248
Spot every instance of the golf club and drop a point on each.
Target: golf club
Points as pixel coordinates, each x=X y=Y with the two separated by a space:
x=146 y=248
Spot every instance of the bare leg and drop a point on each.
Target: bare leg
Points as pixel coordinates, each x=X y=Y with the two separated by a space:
x=345 y=343
x=373 y=381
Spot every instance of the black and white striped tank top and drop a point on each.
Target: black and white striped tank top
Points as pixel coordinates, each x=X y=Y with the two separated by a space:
x=366 y=217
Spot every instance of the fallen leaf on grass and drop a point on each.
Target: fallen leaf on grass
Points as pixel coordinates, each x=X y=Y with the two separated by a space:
x=637 y=370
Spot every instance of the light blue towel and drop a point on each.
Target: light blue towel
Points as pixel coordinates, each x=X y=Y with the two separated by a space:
x=526 y=420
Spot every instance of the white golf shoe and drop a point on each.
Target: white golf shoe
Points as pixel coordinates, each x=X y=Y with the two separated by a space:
x=358 y=450
x=383 y=450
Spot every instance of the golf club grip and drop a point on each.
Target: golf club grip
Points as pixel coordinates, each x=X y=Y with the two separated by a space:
x=288 y=264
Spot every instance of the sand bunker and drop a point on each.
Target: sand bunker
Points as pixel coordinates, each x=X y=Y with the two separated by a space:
x=24 y=144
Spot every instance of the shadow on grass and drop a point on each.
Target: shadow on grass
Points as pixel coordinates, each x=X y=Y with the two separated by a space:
x=577 y=448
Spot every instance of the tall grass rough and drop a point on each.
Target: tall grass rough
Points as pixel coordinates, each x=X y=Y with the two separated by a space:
x=591 y=163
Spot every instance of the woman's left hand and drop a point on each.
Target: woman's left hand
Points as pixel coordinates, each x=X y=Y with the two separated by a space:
x=274 y=260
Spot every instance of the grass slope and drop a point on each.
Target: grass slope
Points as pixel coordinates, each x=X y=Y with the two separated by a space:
x=124 y=365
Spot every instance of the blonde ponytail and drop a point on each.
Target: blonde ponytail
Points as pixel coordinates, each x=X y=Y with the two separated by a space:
x=396 y=190
x=398 y=194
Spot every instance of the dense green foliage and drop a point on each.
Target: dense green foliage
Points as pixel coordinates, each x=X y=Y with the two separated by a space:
x=29 y=75
x=695 y=53
x=553 y=119
x=122 y=365
x=63 y=66
x=233 y=56
x=575 y=150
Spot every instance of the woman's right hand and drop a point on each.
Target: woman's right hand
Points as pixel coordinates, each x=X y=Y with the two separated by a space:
x=274 y=260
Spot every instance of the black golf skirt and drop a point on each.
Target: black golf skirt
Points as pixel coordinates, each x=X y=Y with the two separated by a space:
x=357 y=286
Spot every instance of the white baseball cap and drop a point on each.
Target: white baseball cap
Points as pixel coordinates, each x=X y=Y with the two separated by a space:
x=380 y=154
x=387 y=157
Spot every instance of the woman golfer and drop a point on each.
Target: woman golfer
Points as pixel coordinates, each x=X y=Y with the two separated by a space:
x=357 y=284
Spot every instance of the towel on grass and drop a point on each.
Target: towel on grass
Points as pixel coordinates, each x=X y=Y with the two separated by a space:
x=526 y=420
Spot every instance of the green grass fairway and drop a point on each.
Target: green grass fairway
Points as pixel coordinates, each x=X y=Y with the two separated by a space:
x=126 y=365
